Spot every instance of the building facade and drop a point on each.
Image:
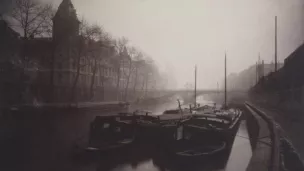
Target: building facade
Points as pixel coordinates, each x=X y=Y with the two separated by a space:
x=76 y=68
x=69 y=67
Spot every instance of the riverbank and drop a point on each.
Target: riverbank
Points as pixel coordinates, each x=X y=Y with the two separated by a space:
x=290 y=140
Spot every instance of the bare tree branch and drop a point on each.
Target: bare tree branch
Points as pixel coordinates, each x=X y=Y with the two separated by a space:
x=32 y=17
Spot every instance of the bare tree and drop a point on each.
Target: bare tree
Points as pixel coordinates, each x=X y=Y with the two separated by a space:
x=93 y=34
x=96 y=56
x=109 y=53
x=103 y=79
x=79 y=55
x=121 y=45
x=32 y=17
x=134 y=63
x=101 y=42
x=80 y=48
x=144 y=82
x=149 y=72
x=138 y=63
x=94 y=70
x=93 y=41
x=132 y=53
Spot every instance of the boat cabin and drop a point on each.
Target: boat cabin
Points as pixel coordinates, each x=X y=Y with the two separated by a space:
x=106 y=130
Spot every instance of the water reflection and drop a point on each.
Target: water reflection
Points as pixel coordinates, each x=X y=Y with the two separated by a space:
x=241 y=150
x=171 y=103
x=149 y=157
x=154 y=159
x=146 y=165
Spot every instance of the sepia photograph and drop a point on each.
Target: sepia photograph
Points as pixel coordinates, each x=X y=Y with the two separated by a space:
x=151 y=85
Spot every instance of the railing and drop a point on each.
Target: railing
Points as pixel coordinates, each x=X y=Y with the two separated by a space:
x=274 y=164
x=253 y=129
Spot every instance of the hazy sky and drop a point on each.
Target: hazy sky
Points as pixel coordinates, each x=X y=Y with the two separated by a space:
x=181 y=33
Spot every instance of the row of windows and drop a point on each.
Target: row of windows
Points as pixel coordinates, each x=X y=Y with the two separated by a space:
x=109 y=72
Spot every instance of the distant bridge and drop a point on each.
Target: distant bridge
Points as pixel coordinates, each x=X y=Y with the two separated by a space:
x=188 y=95
x=203 y=91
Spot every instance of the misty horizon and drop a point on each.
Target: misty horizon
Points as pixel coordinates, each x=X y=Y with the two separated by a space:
x=180 y=35
x=175 y=85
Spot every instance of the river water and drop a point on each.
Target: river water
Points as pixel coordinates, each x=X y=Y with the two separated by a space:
x=172 y=103
x=45 y=141
x=147 y=158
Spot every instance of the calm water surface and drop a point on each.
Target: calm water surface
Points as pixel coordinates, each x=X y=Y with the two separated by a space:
x=149 y=158
x=45 y=141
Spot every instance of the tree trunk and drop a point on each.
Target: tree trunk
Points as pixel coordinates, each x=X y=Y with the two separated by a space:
x=25 y=29
x=143 y=86
x=102 y=90
x=135 y=81
x=146 y=89
x=118 y=81
x=93 y=79
x=128 y=81
x=25 y=33
x=76 y=79
x=102 y=83
x=52 y=68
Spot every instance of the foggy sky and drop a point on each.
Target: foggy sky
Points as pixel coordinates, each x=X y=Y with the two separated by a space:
x=181 y=33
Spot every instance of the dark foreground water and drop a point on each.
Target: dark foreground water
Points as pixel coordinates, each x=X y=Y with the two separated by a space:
x=150 y=158
x=45 y=142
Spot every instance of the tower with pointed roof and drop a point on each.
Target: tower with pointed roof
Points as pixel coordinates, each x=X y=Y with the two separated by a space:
x=65 y=22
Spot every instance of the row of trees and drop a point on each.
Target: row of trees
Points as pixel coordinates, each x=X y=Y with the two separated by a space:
x=33 y=19
x=130 y=63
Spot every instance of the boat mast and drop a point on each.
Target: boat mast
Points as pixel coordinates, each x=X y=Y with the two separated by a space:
x=225 y=104
x=218 y=89
x=195 y=74
x=275 y=46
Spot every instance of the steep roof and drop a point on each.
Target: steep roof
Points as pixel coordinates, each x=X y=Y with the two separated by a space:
x=6 y=30
x=66 y=9
x=9 y=41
